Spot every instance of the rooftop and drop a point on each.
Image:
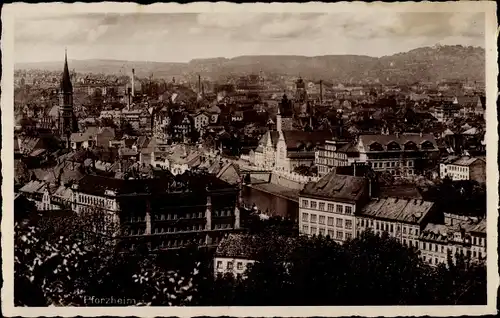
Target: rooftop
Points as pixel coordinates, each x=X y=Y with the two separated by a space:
x=464 y=161
x=33 y=186
x=97 y=185
x=337 y=187
x=402 y=210
x=399 y=140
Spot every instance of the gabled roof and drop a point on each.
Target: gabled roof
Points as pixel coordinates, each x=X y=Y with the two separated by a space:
x=54 y=111
x=33 y=186
x=336 y=187
x=472 y=131
x=28 y=144
x=274 y=138
x=448 y=132
x=465 y=161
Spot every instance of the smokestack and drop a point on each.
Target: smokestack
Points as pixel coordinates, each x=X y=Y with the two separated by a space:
x=199 y=84
x=321 y=91
x=202 y=91
x=129 y=97
x=133 y=82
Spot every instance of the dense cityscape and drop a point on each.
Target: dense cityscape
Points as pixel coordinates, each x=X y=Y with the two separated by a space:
x=190 y=190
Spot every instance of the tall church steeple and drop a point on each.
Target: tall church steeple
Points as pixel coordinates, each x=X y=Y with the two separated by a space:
x=67 y=120
x=66 y=78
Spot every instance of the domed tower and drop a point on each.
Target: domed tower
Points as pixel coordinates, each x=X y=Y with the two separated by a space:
x=66 y=114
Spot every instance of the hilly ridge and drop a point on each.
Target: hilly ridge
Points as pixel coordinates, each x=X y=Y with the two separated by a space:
x=422 y=64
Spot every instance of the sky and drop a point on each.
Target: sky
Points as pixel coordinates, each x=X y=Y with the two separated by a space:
x=181 y=37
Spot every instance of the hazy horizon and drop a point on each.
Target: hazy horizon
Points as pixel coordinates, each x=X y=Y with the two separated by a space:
x=221 y=57
x=182 y=37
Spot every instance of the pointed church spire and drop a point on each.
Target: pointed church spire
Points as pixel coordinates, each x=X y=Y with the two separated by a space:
x=66 y=86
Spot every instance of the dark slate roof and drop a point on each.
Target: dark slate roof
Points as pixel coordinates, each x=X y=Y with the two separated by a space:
x=350 y=149
x=336 y=187
x=402 y=139
x=408 y=211
x=298 y=140
x=300 y=154
x=97 y=185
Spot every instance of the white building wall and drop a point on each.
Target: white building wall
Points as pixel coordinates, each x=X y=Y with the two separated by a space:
x=455 y=172
x=324 y=217
x=407 y=234
x=235 y=266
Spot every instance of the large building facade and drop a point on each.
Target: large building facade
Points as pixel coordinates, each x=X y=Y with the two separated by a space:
x=328 y=207
x=165 y=213
x=465 y=168
x=400 y=154
x=342 y=207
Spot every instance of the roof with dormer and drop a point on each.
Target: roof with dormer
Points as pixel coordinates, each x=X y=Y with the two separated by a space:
x=401 y=140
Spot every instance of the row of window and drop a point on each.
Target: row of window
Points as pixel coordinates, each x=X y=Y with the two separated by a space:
x=387 y=226
x=330 y=221
x=340 y=161
x=339 y=235
x=181 y=243
x=480 y=241
x=433 y=247
x=229 y=265
x=330 y=207
x=174 y=216
x=177 y=243
x=86 y=199
x=458 y=168
x=407 y=146
x=391 y=164
x=434 y=261
x=457 y=176
x=194 y=227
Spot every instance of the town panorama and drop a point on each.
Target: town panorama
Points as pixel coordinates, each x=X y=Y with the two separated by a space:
x=255 y=180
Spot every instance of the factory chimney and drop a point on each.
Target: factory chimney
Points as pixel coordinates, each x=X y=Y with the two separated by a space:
x=199 y=84
x=321 y=92
x=133 y=82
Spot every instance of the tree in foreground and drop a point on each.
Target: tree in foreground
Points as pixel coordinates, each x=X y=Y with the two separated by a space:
x=369 y=270
x=61 y=261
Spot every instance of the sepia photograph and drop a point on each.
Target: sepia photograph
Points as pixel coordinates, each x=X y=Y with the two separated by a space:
x=227 y=155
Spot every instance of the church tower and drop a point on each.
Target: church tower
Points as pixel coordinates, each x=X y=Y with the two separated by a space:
x=66 y=114
x=284 y=118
